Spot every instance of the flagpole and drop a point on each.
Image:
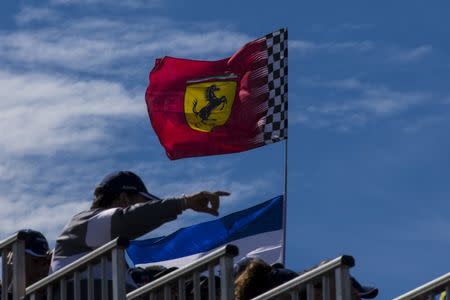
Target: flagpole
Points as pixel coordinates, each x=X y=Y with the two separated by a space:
x=283 y=257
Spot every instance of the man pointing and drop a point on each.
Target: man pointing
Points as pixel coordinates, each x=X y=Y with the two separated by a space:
x=122 y=206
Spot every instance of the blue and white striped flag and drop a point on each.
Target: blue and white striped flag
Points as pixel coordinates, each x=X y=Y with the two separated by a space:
x=257 y=231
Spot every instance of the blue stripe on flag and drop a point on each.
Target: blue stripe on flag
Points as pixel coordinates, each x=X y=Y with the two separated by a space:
x=203 y=237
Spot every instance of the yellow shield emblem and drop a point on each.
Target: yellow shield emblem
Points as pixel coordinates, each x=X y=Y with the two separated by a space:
x=208 y=104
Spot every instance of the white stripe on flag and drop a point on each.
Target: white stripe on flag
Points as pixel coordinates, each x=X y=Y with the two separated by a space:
x=268 y=246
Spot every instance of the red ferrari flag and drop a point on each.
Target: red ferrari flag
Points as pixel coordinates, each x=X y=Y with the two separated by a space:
x=200 y=108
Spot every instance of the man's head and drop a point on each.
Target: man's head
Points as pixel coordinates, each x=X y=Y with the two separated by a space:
x=121 y=189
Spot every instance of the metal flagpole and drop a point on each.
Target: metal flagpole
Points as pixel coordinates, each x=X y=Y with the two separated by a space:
x=285 y=157
x=283 y=257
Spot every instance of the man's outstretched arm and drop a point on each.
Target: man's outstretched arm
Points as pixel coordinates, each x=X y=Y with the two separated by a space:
x=136 y=220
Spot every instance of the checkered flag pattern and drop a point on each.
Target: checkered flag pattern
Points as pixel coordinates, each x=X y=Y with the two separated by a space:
x=276 y=125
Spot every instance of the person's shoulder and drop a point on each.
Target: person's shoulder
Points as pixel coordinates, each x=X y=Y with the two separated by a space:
x=86 y=214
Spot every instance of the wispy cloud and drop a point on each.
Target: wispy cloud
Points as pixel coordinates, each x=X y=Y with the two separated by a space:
x=366 y=102
x=331 y=47
x=45 y=113
x=103 y=46
x=345 y=27
x=29 y=14
x=427 y=121
x=411 y=55
x=381 y=51
x=123 y=3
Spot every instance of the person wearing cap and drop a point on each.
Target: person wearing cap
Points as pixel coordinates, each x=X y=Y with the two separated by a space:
x=37 y=257
x=122 y=206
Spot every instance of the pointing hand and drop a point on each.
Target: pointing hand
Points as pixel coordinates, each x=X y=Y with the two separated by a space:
x=206 y=202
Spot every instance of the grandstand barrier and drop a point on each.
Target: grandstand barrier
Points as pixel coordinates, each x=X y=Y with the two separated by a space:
x=429 y=290
x=175 y=282
x=112 y=252
x=336 y=269
x=16 y=245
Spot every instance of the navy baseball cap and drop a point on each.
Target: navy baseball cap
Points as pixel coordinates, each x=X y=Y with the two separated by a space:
x=125 y=181
x=35 y=243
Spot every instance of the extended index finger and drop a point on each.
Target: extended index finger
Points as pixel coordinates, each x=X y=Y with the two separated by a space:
x=222 y=193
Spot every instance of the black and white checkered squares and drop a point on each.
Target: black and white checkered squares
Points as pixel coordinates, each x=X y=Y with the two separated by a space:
x=275 y=128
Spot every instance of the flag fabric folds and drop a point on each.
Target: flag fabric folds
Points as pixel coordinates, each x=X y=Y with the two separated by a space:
x=200 y=108
x=257 y=231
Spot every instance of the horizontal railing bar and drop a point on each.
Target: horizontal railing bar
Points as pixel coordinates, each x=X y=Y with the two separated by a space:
x=201 y=262
x=427 y=287
x=118 y=242
x=11 y=239
x=344 y=260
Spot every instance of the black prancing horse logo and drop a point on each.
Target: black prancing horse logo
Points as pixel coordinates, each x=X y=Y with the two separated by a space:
x=213 y=102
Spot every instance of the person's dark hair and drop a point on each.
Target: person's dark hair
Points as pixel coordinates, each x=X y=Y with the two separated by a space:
x=102 y=199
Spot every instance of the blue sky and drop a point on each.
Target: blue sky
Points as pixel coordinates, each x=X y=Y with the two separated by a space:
x=369 y=119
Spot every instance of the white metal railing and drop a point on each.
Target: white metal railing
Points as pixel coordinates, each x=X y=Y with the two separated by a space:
x=16 y=245
x=59 y=280
x=337 y=269
x=175 y=282
x=429 y=290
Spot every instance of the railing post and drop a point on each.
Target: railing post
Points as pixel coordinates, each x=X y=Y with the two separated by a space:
x=226 y=277
x=104 y=281
x=294 y=295
x=211 y=282
x=63 y=289
x=118 y=274
x=196 y=285
x=167 y=292
x=181 y=289
x=76 y=286
x=5 y=279
x=326 y=287
x=49 y=292
x=90 y=282
x=310 y=291
x=343 y=285
x=18 y=270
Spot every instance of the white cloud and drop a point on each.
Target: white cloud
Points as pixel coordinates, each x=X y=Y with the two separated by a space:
x=108 y=47
x=345 y=27
x=49 y=219
x=426 y=122
x=411 y=55
x=347 y=83
x=366 y=102
x=384 y=52
x=29 y=14
x=45 y=113
x=331 y=47
x=123 y=3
